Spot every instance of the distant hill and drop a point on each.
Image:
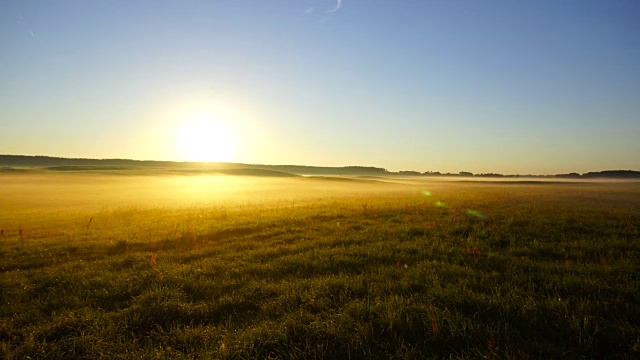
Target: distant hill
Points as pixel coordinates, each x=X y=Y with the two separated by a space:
x=8 y=162
x=618 y=174
x=68 y=164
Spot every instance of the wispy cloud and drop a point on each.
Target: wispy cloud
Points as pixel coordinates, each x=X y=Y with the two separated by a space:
x=22 y=20
x=337 y=7
x=309 y=10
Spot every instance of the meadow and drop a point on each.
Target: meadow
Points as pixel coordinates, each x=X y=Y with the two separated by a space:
x=98 y=265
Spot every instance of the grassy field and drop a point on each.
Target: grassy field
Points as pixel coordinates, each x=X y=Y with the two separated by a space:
x=114 y=266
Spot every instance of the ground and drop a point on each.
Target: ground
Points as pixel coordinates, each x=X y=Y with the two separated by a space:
x=144 y=266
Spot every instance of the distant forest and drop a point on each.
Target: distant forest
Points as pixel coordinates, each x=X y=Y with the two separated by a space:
x=57 y=163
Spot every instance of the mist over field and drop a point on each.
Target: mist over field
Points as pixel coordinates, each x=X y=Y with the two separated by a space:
x=54 y=191
x=90 y=191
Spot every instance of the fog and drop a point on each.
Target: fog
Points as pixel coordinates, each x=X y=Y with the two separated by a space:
x=85 y=191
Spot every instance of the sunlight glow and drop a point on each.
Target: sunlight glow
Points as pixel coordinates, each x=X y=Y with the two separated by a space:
x=205 y=138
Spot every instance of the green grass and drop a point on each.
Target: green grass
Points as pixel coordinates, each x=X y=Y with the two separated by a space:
x=321 y=269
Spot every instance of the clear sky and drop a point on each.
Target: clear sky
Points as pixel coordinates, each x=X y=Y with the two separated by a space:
x=508 y=86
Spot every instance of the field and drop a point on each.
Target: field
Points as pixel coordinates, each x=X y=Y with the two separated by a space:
x=96 y=265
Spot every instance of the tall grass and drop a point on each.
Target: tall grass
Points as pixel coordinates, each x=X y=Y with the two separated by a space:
x=515 y=271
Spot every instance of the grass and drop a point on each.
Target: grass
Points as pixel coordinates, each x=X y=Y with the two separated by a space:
x=313 y=268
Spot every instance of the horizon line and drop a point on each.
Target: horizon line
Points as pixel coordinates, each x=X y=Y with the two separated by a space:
x=317 y=166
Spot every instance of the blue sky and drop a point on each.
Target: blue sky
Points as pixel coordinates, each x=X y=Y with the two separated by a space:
x=481 y=86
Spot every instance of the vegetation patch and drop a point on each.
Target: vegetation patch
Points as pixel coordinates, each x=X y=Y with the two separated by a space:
x=545 y=272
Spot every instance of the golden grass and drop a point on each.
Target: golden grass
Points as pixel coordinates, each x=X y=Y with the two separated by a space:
x=96 y=265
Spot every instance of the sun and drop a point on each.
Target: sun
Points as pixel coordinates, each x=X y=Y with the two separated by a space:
x=205 y=138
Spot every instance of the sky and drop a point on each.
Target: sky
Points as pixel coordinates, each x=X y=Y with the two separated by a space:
x=514 y=87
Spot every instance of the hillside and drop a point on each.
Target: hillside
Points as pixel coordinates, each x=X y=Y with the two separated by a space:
x=58 y=163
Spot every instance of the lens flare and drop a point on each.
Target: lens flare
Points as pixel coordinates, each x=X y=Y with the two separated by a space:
x=475 y=213
x=426 y=192
x=441 y=204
